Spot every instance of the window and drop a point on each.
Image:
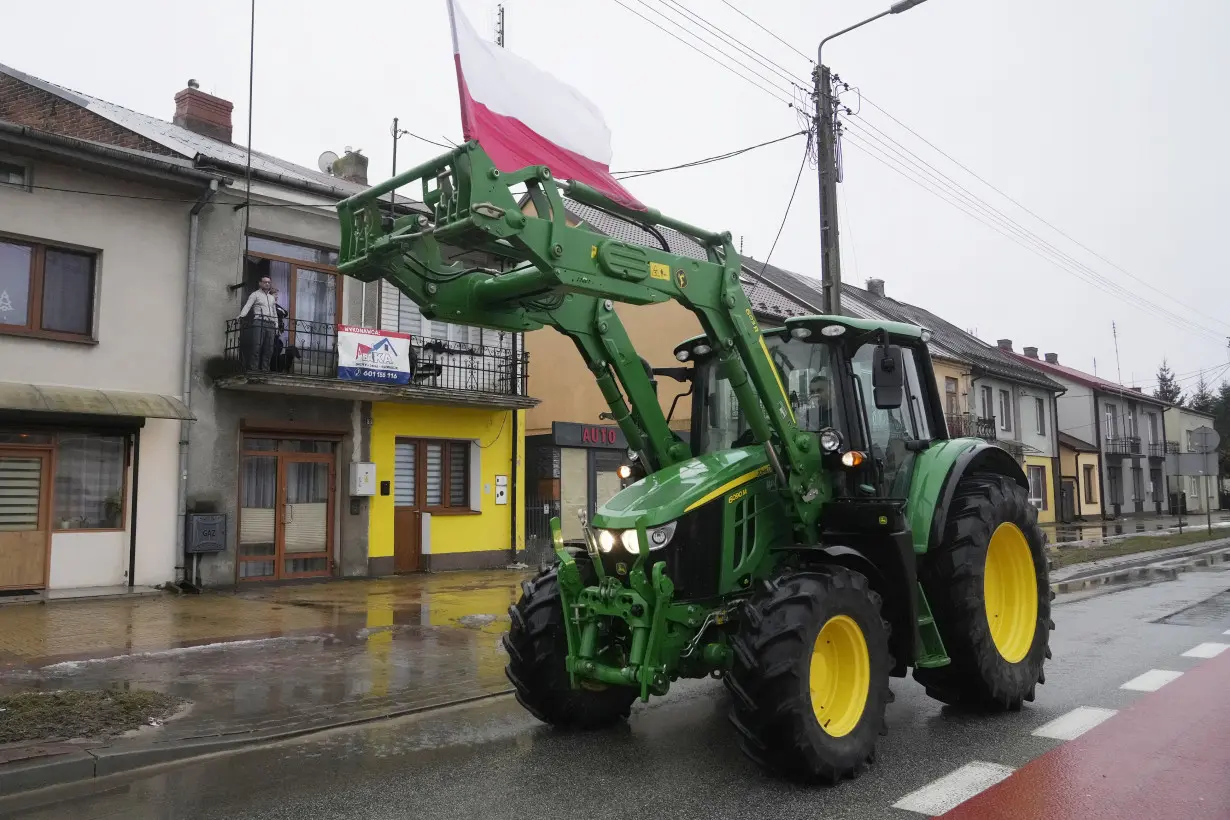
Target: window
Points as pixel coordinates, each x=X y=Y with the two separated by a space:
x=1091 y=487
x=1152 y=427
x=1037 y=485
x=1040 y=415
x=1112 y=421
x=1114 y=477
x=950 y=396
x=89 y=483
x=46 y=291
x=986 y=402
x=15 y=175
x=432 y=475
x=1005 y=411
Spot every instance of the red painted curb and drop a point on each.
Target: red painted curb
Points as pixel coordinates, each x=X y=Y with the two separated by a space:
x=1166 y=757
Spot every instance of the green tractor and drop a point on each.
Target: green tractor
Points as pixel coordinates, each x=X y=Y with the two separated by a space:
x=818 y=534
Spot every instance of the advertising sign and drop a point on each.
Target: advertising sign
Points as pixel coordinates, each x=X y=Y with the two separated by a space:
x=367 y=355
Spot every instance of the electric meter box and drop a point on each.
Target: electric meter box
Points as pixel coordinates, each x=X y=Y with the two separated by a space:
x=362 y=478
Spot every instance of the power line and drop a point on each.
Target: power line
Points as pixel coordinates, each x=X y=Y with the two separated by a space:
x=1048 y=224
x=775 y=92
x=961 y=192
x=780 y=70
x=789 y=205
x=965 y=208
x=633 y=174
x=770 y=33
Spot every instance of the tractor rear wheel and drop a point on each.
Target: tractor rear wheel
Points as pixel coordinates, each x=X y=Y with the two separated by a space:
x=537 y=647
x=809 y=682
x=990 y=594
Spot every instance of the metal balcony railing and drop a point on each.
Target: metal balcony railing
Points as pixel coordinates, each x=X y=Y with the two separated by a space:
x=309 y=349
x=967 y=425
x=1123 y=446
x=1172 y=448
x=1157 y=449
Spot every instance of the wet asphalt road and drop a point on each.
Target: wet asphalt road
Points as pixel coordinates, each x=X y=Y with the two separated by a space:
x=677 y=758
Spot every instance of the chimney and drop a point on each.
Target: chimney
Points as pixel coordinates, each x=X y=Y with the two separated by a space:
x=1138 y=390
x=1031 y=352
x=352 y=166
x=203 y=113
x=1052 y=358
x=876 y=287
x=1005 y=344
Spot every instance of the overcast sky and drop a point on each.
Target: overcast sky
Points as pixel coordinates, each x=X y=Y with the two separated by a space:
x=1108 y=118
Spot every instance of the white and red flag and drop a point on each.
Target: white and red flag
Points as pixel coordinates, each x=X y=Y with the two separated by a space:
x=522 y=116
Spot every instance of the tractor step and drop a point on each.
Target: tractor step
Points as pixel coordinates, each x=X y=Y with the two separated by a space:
x=932 y=654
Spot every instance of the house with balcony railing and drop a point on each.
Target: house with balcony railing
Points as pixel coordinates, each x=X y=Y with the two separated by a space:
x=1193 y=485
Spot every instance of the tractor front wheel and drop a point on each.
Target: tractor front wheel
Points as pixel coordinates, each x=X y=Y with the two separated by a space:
x=990 y=594
x=809 y=681
x=537 y=647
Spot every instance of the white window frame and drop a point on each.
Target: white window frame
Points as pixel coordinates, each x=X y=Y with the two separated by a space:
x=1038 y=499
x=1040 y=411
x=1005 y=410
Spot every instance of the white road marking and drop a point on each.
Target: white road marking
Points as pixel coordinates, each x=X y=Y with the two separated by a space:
x=1074 y=723
x=1151 y=681
x=1206 y=650
x=953 y=789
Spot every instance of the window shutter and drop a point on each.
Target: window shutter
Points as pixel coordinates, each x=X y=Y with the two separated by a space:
x=20 y=488
x=389 y=297
x=404 y=474
x=435 y=475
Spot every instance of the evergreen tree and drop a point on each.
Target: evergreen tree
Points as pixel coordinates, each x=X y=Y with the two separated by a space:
x=1202 y=399
x=1168 y=389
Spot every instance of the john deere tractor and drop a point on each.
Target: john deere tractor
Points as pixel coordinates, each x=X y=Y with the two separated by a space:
x=819 y=532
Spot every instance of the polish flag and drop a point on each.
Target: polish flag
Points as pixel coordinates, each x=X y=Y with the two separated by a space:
x=523 y=116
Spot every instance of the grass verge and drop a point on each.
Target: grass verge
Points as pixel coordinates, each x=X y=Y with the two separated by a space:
x=71 y=714
x=1067 y=556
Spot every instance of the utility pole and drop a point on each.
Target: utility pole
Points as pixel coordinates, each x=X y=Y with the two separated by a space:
x=826 y=153
x=499 y=25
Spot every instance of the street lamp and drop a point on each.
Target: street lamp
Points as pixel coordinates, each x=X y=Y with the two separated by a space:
x=830 y=268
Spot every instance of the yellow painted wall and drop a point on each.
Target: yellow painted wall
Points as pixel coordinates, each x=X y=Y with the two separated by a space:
x=1072 y=465
x=565 y=387
x=948 y=369
x=492 y=429
x=1047 y=515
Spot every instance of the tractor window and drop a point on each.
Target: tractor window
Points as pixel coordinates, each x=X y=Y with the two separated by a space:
x=891 y=429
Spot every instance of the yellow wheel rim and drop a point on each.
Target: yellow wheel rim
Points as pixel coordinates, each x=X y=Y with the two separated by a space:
x=1010 y=592
x=840 y=675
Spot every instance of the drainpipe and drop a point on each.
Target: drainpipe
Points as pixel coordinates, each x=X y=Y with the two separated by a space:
x=185 y=427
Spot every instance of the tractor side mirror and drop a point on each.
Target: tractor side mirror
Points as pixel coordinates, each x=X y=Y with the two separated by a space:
x=888 y=377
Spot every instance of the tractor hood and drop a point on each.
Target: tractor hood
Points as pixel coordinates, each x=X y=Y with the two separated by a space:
x=667 y=494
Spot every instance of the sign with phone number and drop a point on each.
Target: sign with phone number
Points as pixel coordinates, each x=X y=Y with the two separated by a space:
x=368 y=355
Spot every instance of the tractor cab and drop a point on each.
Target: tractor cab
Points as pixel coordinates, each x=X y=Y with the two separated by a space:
x=863 y=389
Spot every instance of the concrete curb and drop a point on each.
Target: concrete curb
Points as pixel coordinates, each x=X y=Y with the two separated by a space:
x=23 y=777
x=1158 y=571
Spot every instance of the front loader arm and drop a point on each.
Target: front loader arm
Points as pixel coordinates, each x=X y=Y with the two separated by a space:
x=569 y=277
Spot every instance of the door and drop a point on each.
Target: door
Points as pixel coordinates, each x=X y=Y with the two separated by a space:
x=25 y=520
x=407 y=517
x=1067 y=501
x=286 y=499
x=307 y=494
x=606 y=477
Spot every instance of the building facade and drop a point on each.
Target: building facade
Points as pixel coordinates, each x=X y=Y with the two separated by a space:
x=1192 y=483
x=93 y=255
x=1128 y=428
x=1080 y=470
x=313 y=474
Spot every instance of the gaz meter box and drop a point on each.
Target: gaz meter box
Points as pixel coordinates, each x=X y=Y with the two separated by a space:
x=362 y=478
x=206 y=533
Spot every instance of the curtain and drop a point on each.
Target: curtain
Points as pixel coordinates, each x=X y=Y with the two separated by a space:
x=14 y=284
x=68 y=291
x=89 y=483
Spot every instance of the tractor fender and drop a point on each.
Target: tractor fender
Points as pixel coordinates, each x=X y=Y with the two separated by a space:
x=936 y=482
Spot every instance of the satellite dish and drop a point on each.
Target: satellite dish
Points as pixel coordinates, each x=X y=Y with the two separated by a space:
x=325 y=161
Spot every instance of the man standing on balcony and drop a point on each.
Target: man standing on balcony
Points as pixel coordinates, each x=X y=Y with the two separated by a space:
x=263 y=305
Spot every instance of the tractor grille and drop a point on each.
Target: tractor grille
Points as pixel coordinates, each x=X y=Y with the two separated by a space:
x=693 y=557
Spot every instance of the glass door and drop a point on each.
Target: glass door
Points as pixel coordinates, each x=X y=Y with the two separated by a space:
x=306 y=519
x=25 y=524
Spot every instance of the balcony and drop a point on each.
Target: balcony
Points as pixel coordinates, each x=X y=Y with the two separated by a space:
x=1172 y=448
x=967 y=425
x=1159 y=449
x=1123 y=446
x=442 y=371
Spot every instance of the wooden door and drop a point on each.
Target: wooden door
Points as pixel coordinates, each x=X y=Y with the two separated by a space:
x=407 y=513
x=25 y=518
x=1068 y=500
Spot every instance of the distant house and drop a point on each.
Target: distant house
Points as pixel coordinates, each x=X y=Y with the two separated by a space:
x=1189 y=489
x=1080 y=470
x=1125 y=423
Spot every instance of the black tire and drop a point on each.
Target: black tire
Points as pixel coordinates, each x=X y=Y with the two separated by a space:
x=953 y=577
x=537 y=647
x=770 y=678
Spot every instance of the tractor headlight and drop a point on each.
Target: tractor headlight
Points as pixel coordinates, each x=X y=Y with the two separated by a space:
x=830 y=440
x=630 y=541
x=606 y=540
x=659 y=537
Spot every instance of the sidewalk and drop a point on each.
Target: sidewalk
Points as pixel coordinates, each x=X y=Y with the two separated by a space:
x=1096 y=530
x=260 y=664
x=1163 y=758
